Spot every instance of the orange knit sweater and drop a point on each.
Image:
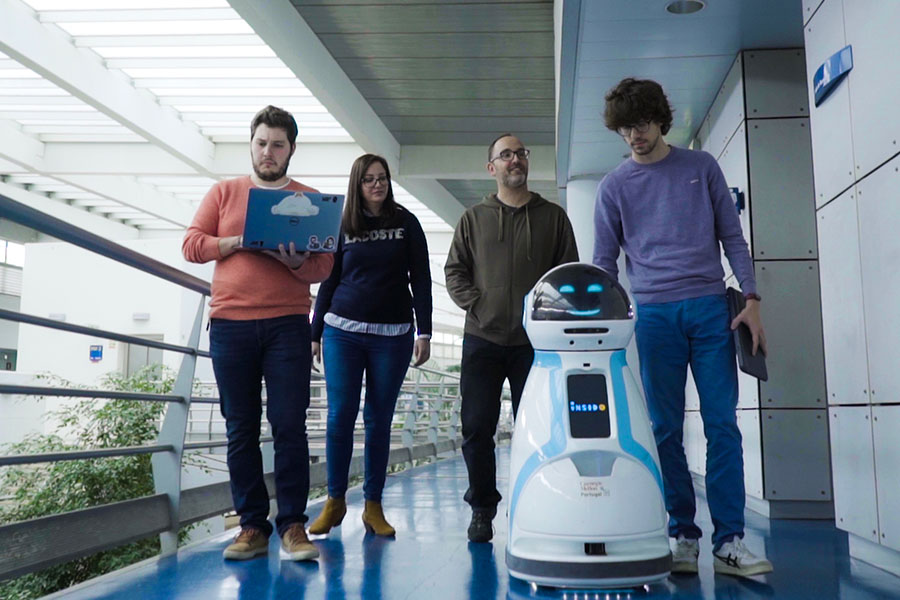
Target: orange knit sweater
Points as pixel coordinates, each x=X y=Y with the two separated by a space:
x=248 y=284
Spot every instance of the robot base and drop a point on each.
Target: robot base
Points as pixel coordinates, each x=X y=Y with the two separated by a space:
x=628 y=565
x=591 y=575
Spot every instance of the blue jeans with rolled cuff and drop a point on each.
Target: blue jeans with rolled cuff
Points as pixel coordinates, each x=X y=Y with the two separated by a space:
x=243 y=354
x=670 y=336
x=384 y=359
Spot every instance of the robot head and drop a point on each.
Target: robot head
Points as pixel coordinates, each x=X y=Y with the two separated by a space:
x=578 y=306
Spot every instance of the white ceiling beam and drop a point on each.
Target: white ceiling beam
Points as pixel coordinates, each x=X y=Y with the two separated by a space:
x=194 y=63
x=51 y=54
x=24 y=150
x=170 y=83
x=299 y=97
x=279 y=24
x=144 y=198
x=20 y=148
x=230 y=159
x=100 y=41
x=435 y=196
x=123 y=15
x=566 y=26
x=29 y=115
x=468 y=162
x=80 y=218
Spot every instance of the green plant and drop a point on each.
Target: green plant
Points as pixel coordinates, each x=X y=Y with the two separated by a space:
x=52 y=488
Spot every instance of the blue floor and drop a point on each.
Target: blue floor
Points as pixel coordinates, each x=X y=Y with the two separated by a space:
x=431 y=559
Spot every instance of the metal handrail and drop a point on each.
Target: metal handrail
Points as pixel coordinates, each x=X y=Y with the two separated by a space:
x=34 y=390
x=11 y=315
x=44 y=457
x=35 y=219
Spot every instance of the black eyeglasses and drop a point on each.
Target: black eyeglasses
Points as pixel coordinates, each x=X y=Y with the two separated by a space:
x=507 y=155
x=370 y=181
x=639 y=127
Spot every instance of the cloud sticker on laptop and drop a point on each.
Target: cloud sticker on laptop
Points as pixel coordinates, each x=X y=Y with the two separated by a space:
x=296 y=205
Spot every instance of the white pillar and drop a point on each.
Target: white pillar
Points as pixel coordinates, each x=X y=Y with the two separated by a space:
x=580 y=196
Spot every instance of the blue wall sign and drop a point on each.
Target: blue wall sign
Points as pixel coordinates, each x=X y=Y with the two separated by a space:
x=831 y=73
x=737 y=196
x=96 y=352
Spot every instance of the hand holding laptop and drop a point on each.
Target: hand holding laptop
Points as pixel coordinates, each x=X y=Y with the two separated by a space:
x=229 y=245
x=290 y=258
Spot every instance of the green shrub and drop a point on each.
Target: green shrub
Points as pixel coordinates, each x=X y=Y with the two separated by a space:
x=53 y=488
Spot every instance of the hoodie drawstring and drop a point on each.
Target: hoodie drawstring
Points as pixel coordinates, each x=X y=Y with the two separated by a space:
x=528 y=234
x=527 y=230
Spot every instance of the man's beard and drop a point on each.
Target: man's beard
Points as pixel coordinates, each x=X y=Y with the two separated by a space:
x=272 y=175
x=648 y=147
x=515 y=180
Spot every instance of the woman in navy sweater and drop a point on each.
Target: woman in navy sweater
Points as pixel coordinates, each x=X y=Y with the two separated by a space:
x=363 y=323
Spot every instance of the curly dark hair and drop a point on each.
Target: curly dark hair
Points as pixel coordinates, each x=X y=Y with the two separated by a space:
x=635 y=100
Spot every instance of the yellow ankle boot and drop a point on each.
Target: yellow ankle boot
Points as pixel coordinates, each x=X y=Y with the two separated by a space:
x=331 y=516
x=374 y=521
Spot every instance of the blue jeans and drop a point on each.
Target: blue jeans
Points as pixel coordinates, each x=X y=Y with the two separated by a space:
x=384 y=359
x=671 y=336
x=243 y=353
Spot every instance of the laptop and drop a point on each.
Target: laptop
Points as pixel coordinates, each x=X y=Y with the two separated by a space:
x=749 y=363
x=312 y=221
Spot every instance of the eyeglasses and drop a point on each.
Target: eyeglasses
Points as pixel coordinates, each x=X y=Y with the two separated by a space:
x=639 y=127
x=370 y=181
x=507 y=155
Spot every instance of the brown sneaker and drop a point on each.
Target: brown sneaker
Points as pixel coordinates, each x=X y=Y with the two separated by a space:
x=248 y=543
x=297 y=545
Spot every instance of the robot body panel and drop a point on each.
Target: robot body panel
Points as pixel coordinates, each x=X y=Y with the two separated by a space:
x=586 y=500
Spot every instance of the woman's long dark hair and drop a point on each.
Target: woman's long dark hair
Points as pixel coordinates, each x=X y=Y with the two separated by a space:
x=352 y=222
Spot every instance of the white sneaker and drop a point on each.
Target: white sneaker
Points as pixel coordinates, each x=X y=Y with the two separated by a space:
x=733 y=558
x=684 y=555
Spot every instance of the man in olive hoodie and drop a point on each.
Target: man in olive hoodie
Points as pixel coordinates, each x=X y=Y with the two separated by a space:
x=500 y=249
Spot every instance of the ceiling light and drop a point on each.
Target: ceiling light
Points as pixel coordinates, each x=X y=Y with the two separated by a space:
x=685 y=7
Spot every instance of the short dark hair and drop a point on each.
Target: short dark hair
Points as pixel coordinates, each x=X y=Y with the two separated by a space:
x=496 y=139
x=635 y=100
x=272 y=116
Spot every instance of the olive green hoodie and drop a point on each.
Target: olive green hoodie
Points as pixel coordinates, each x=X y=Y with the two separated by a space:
x=497 y=255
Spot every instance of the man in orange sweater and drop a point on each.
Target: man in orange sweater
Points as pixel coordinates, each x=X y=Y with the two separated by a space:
x=259 y=328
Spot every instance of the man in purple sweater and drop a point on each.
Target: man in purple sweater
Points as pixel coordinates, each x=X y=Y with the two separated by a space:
x=669 y=209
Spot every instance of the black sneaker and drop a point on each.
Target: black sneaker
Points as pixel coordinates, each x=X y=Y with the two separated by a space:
x=480 y=527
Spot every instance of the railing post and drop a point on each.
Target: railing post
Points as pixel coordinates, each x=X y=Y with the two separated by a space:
x=407 y=436
x=167 y=465
x=434 y=402
x=455 y=405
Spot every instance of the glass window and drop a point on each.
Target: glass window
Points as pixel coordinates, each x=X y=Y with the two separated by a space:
x=15 y=254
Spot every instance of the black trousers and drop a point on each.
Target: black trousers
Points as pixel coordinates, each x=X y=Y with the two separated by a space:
x=485 y=366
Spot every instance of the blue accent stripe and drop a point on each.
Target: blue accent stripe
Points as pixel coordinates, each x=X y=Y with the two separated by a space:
x=557 y=443
x=630 y=445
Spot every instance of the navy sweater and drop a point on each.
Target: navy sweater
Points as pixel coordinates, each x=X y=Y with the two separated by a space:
x=372 y=275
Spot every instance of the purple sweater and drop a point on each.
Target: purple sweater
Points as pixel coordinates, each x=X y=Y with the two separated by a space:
x=669 y=217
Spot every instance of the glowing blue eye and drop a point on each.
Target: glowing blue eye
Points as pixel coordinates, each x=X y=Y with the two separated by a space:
x=595 y=287
x=566 y=289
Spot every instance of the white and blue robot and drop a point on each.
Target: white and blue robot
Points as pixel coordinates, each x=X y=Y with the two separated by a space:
x=586 y=503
